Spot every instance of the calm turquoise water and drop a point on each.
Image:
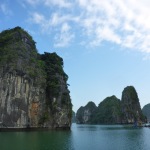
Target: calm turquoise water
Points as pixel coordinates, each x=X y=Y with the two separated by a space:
x=81 y=137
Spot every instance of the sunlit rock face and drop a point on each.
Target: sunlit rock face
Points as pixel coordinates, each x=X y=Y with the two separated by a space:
x=28 y=95
x=20 y=100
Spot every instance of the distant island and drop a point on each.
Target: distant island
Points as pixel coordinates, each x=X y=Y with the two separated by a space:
x=146 y=111
x=113 y=110
x=33 y=87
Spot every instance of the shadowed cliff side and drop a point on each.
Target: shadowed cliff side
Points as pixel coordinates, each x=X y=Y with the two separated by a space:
x=131 y=106
x=57 y=94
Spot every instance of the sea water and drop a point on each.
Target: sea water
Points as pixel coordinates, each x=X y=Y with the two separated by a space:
x=80 y=137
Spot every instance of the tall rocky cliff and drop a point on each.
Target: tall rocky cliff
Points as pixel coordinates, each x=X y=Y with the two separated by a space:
x=33 y=87
x=131 y=106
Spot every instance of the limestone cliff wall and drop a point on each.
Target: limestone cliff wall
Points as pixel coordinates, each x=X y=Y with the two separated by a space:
x=131 y=106
x=33 y=87
x=21 y=103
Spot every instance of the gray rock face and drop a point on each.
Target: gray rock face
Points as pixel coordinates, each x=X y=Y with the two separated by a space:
x=25 y=98
x=85 y=114
x=130 y=106
x=20 y=101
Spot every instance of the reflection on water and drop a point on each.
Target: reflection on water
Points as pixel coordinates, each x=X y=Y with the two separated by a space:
x=81 y=137
x=40 y=140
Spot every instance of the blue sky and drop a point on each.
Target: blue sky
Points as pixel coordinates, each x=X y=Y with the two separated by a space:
x=105 y=44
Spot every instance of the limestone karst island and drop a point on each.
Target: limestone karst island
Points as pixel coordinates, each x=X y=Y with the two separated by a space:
x=33 y=87
x=115 y=111
x=34 y=92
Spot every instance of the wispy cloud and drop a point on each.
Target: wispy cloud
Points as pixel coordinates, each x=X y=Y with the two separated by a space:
x=59 y=3
x=39 y=19
x=4 y=8
x=33 y=3
x=125 y=23
x=58 y=18
x=64 y=37
x=58 y=24
x=48 y=3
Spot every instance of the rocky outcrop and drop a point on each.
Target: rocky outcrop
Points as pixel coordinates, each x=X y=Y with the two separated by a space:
x=85 y=114
x=33 y=87
x=146 y=111
x=131 y=106
x=109 y=111
x=113 y=111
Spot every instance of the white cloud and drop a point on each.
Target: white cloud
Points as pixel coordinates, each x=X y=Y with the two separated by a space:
x=33 y=2
x=65 y=27
x=27 y=3
x=57 y=18
x=38 y=18
x=30 y=2
x=59 y=3
x=125 y=23
x=48 y=3
x=108 y=34
x=64 y=37
x=5 y=9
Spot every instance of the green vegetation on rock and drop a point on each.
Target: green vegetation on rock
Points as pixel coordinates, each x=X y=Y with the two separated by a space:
x=113 y=111
x=18 y=52
x=131 y=106
x=56 y=83
x=109 y=111
x=38 y=80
